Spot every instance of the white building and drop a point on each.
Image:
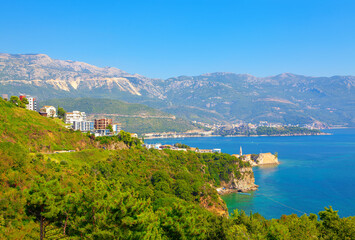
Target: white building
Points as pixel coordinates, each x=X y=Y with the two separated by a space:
x=77 y=116
x=49 y=110
x=101 y=132
x=32 y=104
x=83 y=126
x=116 y=127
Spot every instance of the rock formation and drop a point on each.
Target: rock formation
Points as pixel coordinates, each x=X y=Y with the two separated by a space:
x=244 y=183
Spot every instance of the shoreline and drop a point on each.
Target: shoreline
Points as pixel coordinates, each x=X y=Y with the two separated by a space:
x=277 y=135
x=223 y=192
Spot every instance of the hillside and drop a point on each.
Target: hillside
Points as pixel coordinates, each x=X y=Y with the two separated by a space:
x=29 y=131
x=109 y=106
x=214 y=97
x=144 y=185
x=134 y=117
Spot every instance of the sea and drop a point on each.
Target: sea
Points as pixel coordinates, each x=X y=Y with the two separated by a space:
x=314 y=172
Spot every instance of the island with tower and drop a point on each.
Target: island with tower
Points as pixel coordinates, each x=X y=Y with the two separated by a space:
x=258 y=159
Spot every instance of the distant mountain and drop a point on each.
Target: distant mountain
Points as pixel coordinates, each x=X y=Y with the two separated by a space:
x=213 y=97
x=285 y=98
x=39 y=70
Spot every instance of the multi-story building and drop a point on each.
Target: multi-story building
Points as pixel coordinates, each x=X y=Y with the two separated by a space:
x=76 y=116
x=101 y=132
x=32 y=102
x=102 y=123
x=116 y=127
x=49 y=110
x=84 y=126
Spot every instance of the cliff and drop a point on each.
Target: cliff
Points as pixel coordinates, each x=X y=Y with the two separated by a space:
x=244 y=183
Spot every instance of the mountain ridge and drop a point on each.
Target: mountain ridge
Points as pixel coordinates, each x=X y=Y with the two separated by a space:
x=285 y=98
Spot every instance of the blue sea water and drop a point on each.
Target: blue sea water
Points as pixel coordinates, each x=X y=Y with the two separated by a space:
x=315 y=172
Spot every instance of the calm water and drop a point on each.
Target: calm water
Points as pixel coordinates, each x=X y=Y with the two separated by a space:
x=315 y=171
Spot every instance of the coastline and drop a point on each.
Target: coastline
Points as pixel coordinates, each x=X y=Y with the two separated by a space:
x=194 y=136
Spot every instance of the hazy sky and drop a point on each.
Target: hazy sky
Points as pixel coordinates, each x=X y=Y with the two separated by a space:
x=177 y=37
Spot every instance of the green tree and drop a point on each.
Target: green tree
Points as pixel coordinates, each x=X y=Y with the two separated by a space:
x=15 y=100
x=24 y=102
x=45 y=202
x=61 y=112
x=109 y=127
x=104 y=211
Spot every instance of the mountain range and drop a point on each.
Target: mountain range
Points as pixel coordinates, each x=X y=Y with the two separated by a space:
x=213 y=97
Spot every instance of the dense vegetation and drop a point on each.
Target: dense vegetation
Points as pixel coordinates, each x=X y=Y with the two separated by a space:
x=133 y=193
x=137 y=118
x=268 y=131
x=94 y=105
x=150 y=125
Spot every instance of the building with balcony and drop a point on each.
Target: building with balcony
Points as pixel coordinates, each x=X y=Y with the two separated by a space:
x=102 y=123
x=49 y=110
x=75 y=116
x=32 y=102
x=84 y=126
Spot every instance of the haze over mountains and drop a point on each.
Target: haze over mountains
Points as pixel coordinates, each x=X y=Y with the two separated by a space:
x=214 y=97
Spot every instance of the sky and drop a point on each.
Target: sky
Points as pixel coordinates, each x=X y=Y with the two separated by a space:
x=166 y=38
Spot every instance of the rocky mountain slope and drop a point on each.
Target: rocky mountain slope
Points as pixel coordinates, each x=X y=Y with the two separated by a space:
x=213 y=97
x=40 y=70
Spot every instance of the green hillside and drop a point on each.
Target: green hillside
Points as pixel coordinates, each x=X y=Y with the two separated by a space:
x=136 y=118
x=132 y=193
x=23 y=128
x=101 y=105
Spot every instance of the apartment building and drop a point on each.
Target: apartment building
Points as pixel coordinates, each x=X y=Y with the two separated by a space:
x=84 y=126
x=75 y=116
x=102 y=123
x=32 y=102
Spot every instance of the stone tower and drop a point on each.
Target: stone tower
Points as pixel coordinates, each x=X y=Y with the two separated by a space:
x=240 y=151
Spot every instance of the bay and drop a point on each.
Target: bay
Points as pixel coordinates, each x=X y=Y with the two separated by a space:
x=315 y=172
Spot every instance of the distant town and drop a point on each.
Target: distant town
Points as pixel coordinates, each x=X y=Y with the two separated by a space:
x=263 y=128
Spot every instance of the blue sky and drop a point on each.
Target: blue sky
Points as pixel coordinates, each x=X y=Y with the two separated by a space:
x=177 y=37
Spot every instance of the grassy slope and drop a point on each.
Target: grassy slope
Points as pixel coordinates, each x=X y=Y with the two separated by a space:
x=29 y=130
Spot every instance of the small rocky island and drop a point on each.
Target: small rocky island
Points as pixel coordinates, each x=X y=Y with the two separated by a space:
x=259 y=159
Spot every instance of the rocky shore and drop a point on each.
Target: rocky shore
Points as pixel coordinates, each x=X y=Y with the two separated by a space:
x=243 y=184
x=246 y=182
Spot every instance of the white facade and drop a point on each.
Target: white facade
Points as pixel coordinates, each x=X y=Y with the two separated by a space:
x=32 y=104
x=101 y=132
x=116 y=127
x=77 y=116
x=50 y=110
x=83 y=126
